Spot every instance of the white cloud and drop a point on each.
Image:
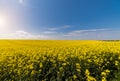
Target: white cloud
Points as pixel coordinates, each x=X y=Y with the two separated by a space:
x=22 y=35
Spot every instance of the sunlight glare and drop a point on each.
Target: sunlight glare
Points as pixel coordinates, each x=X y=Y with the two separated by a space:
x=3 y=22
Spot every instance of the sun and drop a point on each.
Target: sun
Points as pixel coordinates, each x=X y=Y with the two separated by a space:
x=2 y=22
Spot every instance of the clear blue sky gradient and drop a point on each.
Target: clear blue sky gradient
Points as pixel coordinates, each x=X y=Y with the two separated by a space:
x=88 y=14
x=40 y=15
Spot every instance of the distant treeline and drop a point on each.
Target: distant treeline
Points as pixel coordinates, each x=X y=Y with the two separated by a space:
x=111 y=40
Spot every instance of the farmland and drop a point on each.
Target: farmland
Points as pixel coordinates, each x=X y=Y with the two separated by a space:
x=59 y=60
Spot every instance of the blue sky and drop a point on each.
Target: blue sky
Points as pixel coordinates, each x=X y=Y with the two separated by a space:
x=60 y=19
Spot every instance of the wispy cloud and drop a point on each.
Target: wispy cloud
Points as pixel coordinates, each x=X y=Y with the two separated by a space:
x=97 y=34
x=59 y=28
x=77 y=32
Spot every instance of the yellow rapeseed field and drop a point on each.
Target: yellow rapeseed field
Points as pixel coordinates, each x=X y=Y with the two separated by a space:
x=59 y=60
